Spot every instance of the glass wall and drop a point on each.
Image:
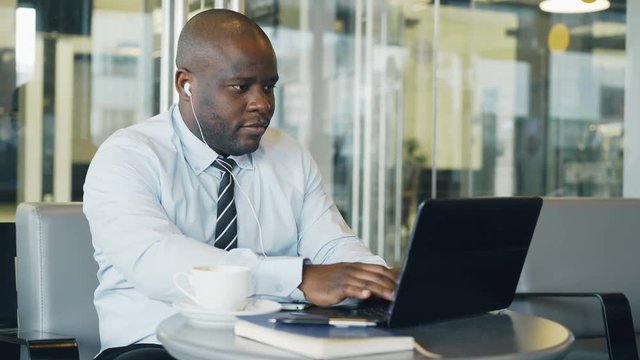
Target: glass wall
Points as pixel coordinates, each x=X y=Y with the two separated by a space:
x=404 y=100
x=398 y=100
x=340 y=94
x=532 y=102
x=72 y=73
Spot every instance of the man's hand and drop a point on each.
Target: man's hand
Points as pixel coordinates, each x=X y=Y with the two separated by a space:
x=329 y=284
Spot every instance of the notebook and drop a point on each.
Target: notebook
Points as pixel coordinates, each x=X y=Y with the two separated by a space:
x=321 y=342
x=464 y=258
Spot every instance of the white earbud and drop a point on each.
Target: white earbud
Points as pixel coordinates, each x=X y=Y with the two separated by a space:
x=187 y=88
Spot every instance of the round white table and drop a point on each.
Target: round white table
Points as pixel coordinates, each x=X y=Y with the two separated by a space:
x=502 y=335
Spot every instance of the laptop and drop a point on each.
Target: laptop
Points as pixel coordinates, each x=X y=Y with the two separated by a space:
x=464 y=258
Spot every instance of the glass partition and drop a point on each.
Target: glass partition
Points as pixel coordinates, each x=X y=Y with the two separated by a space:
x=341 y=94
x=398 y=100
x=72 y=73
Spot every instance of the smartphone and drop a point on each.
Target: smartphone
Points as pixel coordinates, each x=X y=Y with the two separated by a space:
x=292 y=306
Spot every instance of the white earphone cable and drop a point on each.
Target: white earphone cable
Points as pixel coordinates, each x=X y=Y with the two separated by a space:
x=197 y=122
x=253 y=211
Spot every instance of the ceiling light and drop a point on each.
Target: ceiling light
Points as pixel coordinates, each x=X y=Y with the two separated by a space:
x=574 y=6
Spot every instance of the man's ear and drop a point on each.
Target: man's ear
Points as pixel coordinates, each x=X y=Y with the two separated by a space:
x=183 y=84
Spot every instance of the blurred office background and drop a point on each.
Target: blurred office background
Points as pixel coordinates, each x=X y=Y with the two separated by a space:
x=398 y=100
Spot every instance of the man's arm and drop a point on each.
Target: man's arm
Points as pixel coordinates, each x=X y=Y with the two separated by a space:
x=135 y=237
x=129 y=226
x=341 y=265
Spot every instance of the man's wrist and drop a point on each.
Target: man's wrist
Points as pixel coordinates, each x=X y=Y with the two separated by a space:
x=297 y=293
x=278 y=275
x=305 y=264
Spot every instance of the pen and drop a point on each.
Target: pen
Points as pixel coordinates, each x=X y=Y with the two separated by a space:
x=343 y=322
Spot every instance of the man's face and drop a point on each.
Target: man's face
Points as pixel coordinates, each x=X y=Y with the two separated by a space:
x=234 y=98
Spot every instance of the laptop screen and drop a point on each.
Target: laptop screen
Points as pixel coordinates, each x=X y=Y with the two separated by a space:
x=464 y=257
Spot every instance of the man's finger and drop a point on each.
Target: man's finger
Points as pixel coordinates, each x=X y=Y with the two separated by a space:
x=380 y=270
x=356 y=292
x=367 y=279
x=354 y=285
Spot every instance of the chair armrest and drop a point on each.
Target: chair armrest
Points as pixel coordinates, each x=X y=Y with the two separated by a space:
x=618 y=321
x=42 y=345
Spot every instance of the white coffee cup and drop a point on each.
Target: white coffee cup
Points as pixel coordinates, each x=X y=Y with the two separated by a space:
x=221 y=288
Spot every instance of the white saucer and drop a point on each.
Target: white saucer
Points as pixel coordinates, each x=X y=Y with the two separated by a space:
x=199 y=316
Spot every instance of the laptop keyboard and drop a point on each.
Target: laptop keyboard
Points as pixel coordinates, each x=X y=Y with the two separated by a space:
x=375 y=312
x=373 y=309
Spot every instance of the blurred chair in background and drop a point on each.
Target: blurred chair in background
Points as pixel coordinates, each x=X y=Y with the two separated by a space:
x=582 y=267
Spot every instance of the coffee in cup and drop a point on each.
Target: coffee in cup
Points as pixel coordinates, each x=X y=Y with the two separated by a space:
x=220 y=288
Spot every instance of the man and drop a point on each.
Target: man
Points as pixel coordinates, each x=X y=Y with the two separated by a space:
x=151 y=195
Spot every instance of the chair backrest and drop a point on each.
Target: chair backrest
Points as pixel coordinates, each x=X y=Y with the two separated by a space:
x=56 y=273
x=586 y=245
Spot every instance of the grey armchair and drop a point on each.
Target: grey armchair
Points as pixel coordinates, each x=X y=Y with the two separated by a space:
x=56 y=278
x=582 y=271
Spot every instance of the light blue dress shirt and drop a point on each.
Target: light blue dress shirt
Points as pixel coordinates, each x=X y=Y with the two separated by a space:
x=150 y=198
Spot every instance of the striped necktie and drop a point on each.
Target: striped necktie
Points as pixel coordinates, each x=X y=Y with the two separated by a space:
x=226 y=222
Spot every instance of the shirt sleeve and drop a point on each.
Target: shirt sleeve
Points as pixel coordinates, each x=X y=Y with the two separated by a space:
x=324 y=236
x=134 y=236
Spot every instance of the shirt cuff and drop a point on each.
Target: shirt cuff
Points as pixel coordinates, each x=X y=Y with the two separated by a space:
x=279 y=276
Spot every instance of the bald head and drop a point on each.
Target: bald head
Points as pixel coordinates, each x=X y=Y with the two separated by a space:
x=204 y=35
x=226 y=75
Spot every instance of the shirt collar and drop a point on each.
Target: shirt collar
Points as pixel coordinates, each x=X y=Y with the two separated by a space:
x=196 y=152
